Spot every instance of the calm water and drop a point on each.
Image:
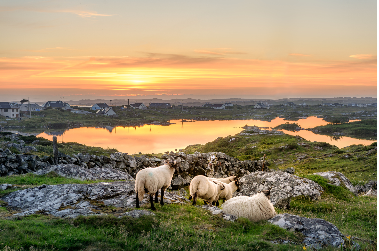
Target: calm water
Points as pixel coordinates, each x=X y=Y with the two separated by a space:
x=158 y=139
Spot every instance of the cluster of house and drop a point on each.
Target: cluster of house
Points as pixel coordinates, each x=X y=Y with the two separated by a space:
x=13 y=110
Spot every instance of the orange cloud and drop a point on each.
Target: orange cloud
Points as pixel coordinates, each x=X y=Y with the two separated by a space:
x=181 y=74
x=362 y=56
x=299 y=55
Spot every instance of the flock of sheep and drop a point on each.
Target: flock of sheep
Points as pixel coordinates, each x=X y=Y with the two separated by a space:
x=256 y=208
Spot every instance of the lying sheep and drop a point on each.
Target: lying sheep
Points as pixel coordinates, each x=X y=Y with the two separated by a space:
x=227 y=193
x=202 y=187
x=151 y=179
x=256 y=208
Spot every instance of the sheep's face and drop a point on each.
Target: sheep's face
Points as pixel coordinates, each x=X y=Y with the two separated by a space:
x=172 y=164
x=267 y=193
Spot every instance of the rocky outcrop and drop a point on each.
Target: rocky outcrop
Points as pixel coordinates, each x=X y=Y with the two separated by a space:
x=338 y=179
x=72 y=200
x=81 y=173
x=318 y=233
x=283 y=186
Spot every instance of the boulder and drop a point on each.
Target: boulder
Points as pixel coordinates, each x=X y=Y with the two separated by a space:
x=283 y=186
x=318 y=233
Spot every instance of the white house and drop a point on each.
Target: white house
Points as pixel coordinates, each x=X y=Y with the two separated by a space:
x=140 y=106
x=107 y=112
x=56 y=105
x=7 y=111
x=31 y=107
x=228 y=104
x=99 y=106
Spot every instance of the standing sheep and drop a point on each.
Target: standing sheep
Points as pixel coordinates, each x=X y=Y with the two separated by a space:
x=151 y=179
x=256 y=208
x=226 y=180
x=227 y=193
x=202 y=187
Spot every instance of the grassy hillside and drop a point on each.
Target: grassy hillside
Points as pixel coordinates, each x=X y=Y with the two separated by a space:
x=357 y=162
x=185 y=227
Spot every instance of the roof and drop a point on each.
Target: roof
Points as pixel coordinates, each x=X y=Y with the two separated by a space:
x=5 y=105
x=136 y=104
x=160 y=105
x=56 y=104
x=102 y=105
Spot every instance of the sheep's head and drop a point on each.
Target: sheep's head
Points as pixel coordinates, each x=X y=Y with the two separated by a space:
x=233 y=178
x=267 y=193
x=172 y=163
x=220 y=184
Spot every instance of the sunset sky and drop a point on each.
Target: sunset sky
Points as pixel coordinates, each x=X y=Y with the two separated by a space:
x=120 y=49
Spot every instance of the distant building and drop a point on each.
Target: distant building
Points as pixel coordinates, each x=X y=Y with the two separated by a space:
x=228 y=104
x=214 y=106
x=57 y=105
x=140 y=106
x=261 y=106
x=107 y=112
x=6 y=110
x=159 y=105
x=31 y=107
x=99 y=106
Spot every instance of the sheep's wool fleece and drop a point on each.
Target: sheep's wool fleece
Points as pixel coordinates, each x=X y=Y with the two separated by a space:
x=152 y=179
x=255 y=208
x=204 y=188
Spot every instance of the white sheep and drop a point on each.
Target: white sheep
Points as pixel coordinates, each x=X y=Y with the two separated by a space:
x=230 y=188
x=226 y=180
x=202 y=187
x=151 y=179
x=255 y=208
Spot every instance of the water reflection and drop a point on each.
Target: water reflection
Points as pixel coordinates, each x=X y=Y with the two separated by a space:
x=158 y=139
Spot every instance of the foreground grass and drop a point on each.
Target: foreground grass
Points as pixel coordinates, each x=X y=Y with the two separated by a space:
x=174 y=227
x=185 y=227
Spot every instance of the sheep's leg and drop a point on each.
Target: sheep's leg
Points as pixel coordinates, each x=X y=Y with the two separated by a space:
x=217 y=204
x=152 y=202
x=156 y=197
x=162 y=193
x=137 y=200
x=194 y=199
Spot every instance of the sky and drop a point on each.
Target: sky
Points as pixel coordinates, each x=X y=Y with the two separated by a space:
x=120 y=49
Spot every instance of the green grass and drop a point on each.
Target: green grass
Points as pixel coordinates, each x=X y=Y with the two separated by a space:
x=173 y=228
x=287 y=126
x=365 y=129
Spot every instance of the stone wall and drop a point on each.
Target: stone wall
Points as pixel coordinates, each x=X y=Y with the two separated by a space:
x=215 y=164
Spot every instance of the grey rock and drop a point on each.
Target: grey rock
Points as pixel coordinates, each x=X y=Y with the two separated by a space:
x=217 y=211
x=77 y=172
x=5 y=186
x=283 y=186
x=72 y=200
x=318 y=232
x=338 y=179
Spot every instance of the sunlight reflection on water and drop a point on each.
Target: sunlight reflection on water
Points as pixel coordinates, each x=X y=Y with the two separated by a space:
x=158 y=139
